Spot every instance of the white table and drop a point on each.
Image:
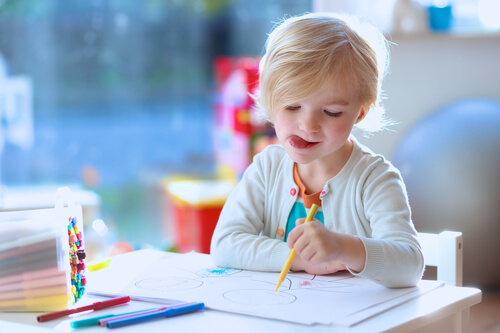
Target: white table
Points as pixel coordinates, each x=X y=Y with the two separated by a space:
x=445 y=309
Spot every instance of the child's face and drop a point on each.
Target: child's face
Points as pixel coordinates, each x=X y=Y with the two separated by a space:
x=317 y=128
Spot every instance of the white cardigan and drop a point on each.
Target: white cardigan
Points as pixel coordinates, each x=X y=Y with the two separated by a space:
x=367 y=199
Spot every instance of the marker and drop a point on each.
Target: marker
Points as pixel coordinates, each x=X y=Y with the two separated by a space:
x=171 y=312
x=94 y=306
x=88 y=322
x=94 y=321
x=292 y=254
x=104 y=321
x=99 y=265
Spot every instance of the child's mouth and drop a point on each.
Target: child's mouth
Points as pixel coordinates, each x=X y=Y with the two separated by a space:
x=298 y=142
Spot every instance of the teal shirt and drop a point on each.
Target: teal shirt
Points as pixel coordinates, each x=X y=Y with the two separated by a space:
x=299 y=211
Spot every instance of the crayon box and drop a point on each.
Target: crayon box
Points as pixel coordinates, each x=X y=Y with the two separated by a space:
x=42 y=257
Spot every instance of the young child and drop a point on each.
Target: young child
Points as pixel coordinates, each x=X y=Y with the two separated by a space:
x=321 y=75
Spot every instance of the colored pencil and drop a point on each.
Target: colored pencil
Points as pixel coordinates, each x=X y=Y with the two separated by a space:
x=293 y=253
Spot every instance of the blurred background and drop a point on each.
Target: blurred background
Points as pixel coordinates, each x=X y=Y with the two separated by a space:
x=142 y=108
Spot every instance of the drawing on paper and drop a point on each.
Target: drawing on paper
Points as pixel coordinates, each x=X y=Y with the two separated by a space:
x=217 y=272
x=340 y=298
x=333 y=283
x=259 y=297
x=262 y=292
x=168 y=284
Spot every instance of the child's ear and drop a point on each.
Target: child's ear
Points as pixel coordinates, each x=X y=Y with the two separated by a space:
x=361 y=115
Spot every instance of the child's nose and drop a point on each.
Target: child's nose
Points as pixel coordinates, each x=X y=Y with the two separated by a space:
x=309 y=122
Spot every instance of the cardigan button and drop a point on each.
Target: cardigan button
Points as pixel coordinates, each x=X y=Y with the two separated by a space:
x=293 y=191
x=280 y=232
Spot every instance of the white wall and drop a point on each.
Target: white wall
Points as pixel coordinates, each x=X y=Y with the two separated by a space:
x=429 y=71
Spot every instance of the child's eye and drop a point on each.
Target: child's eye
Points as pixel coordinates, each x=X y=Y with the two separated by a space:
x=333 y=114
x=292 y=107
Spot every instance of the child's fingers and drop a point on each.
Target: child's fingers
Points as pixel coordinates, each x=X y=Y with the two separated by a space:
x=314 y=242
x=295 y=234
x=299 y=246
x=300 y=221
x=303 y=244
x=307 y=252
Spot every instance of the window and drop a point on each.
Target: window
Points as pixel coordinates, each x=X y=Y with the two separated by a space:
x=122 y=93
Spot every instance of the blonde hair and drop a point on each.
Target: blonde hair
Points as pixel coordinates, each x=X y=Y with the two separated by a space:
x=305 y=52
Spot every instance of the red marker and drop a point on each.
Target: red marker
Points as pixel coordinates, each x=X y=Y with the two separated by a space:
x=94 y=306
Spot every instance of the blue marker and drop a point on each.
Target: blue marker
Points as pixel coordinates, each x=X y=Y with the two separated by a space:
x=170 y=312
x=95 y=320
x=88 y=322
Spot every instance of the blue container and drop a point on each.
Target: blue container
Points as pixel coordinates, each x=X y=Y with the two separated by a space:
x=440 y=18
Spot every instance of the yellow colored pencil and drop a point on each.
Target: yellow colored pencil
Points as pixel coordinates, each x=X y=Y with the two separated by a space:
x=292 y=254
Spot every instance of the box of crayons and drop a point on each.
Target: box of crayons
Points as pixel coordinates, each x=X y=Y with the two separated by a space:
x=42 y=257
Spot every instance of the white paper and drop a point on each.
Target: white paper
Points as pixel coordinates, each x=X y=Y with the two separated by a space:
x=340 y=299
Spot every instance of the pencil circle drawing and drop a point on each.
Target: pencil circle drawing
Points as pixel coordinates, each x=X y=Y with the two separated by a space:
x=259 y=297
x=168 y=284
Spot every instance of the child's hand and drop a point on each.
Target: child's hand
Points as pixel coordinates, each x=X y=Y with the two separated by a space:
x=314 y=243
x=321 y=251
